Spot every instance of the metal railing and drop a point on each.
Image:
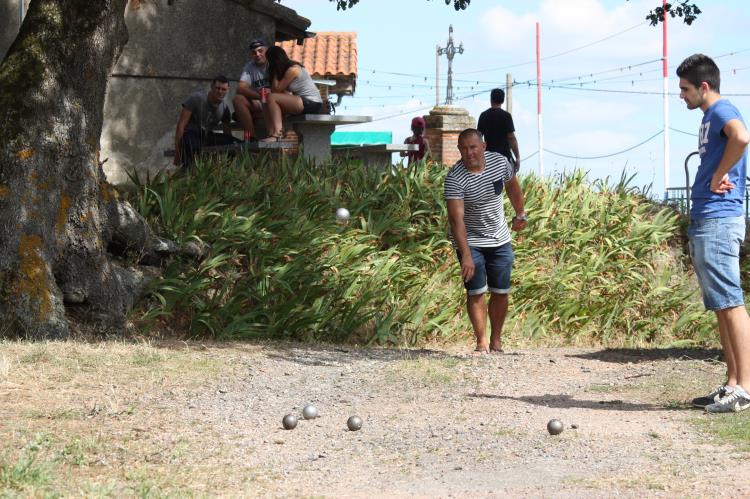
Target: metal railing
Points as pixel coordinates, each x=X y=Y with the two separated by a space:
x=679 y=197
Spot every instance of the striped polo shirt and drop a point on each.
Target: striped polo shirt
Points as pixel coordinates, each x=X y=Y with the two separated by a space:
x=482 y=194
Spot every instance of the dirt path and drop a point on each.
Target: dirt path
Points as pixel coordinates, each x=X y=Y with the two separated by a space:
x=207 y=420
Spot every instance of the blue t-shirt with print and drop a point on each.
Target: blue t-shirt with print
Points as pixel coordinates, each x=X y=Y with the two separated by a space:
x=711 y=144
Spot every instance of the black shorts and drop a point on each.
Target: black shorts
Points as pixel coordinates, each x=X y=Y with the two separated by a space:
x=310 y=107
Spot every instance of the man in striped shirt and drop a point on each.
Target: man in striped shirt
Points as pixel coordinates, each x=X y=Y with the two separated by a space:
x=479 y=232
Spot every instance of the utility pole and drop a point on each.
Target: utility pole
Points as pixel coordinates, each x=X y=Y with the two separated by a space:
x=450 y=51
x=665 y=72
x=540 y=130
x=509 y=93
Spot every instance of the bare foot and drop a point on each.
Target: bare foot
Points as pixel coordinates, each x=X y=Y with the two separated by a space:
x=480 y=350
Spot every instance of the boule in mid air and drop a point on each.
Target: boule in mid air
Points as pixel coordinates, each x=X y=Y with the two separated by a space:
x=342 y=215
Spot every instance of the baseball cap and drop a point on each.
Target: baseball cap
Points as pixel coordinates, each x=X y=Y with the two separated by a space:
x=258 y=42
x=418 y=121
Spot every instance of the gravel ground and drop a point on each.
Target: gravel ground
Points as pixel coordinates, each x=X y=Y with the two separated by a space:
x=438 y=423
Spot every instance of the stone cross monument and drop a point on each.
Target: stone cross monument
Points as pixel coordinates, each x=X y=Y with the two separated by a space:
x=450 y=52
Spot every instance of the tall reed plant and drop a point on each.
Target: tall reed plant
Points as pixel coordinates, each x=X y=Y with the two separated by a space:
x=595 y=264
x=602 y=263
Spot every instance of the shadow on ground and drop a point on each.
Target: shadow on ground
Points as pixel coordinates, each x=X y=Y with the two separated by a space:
x=635 y=355
x=568 y=402
x=310 y=354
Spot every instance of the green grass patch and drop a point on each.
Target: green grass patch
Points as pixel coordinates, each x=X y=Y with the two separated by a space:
x=27 y=472
x=732 y=429
x=599 y=262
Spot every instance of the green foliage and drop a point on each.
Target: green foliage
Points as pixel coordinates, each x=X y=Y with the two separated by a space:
x=682 y=8
x=282 y=267
x=595 y=263
x=27 y=473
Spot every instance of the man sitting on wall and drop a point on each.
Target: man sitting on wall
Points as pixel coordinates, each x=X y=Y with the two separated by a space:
x=253 y=81
x=201 y=113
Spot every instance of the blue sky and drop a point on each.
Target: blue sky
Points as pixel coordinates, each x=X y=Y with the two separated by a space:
x=617 y=108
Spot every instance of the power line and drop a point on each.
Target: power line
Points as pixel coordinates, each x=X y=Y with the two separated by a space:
x=594 y=43
x=624 y=76
x=591 y=75
x=530 y=155
x=559 y=53
x=606 y=155
x=683 y=132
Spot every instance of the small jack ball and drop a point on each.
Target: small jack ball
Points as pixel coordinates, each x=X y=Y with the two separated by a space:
x=310 y=412
x=354 y=423
x=289 y=422
x=554 y=427
x=342 y=215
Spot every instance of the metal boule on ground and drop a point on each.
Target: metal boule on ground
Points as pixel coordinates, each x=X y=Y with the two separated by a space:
x=310 y=412
x=354 y=423
x=554 y=427
x=289 y=422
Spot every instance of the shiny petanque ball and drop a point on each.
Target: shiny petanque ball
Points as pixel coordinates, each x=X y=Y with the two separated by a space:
x=354 y=423
x=310 y=412
x=289 y=422
x=342 y=215
x=554 y=427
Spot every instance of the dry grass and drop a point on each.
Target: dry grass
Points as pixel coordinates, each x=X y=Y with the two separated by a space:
x=96 y=420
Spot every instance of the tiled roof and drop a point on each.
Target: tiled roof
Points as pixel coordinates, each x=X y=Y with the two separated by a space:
x=327 y=54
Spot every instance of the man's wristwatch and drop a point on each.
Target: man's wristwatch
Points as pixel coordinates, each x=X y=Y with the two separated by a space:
x=522 y=217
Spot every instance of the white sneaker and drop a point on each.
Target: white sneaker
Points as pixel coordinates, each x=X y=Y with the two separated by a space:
x=736 y=401
x=713 y=397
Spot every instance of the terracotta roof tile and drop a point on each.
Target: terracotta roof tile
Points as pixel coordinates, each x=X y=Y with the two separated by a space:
x=327 y=54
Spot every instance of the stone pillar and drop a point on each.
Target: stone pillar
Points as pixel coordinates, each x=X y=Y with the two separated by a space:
x=444 y=123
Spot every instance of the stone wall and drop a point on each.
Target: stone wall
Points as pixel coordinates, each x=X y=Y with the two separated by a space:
x=174 y=49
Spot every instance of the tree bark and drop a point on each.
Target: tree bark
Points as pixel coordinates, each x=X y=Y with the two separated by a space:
x=58 y=214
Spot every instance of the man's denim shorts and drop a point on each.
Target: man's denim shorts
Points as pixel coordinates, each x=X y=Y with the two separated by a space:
x=715 y=250
x=492 y=268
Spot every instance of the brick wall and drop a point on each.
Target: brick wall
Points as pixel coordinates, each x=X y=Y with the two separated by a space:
x=444 y=124
x=444 y=145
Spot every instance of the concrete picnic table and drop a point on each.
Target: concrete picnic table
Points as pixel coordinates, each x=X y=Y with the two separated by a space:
x=315 y=132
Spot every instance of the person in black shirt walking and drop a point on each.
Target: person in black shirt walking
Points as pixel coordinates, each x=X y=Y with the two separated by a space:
x=496 y=125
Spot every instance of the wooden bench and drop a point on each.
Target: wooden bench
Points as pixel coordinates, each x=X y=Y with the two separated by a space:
x=375 y=154
x=314 y=131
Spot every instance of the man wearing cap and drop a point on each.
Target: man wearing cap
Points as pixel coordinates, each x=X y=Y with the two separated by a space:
x=496 y=125
x=417 y=128
x=247 y=101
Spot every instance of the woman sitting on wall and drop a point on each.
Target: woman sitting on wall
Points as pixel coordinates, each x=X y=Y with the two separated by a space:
x=292 y=92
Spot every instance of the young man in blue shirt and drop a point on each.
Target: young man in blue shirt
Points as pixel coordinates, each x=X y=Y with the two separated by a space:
x=717 y=225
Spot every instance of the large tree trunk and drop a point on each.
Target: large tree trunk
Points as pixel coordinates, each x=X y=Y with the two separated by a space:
x=58 y=214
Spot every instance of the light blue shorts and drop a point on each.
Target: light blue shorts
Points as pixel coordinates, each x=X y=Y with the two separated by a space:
x=715 y=250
